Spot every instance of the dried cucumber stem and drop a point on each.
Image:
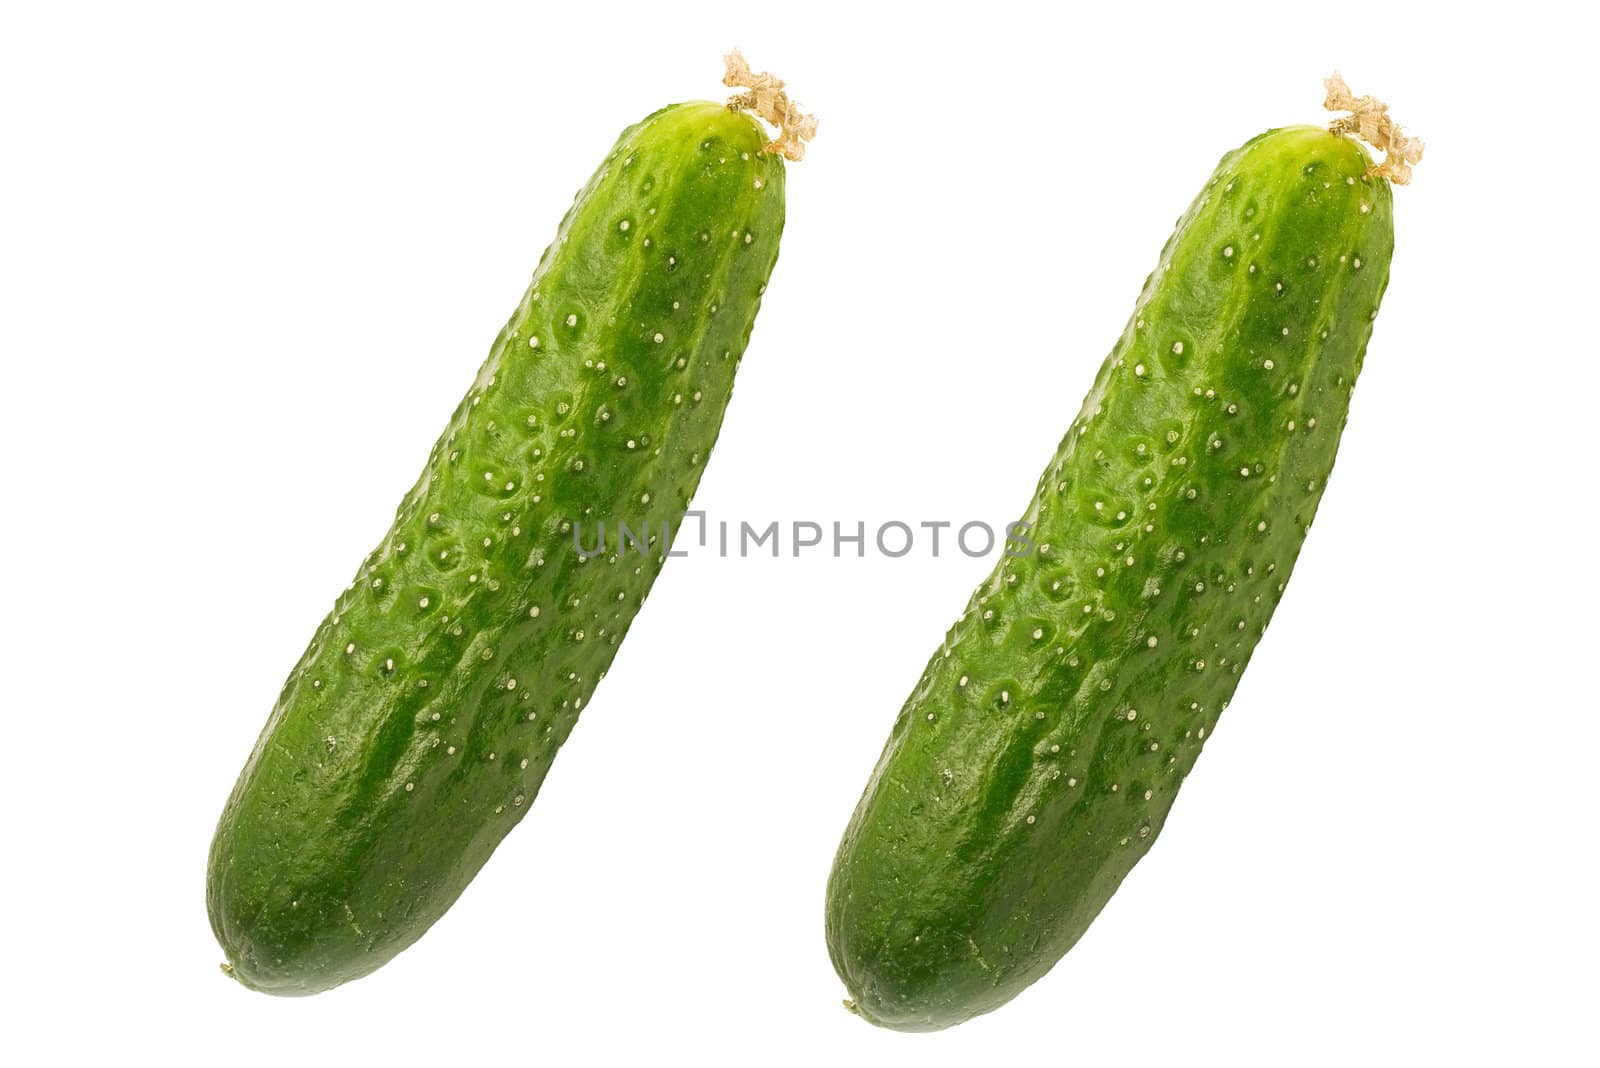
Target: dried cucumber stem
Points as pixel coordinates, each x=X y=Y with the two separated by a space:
x=766 y=99
x=1369 y=120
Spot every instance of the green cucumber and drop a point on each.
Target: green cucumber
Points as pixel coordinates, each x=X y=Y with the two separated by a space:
x=417 y=728
x=1037 y=758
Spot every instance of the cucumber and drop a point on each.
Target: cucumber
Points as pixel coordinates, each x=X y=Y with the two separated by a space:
x=1036 y=759
x=417 y=728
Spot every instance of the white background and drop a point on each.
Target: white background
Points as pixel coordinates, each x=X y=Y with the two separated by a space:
x=252 y=256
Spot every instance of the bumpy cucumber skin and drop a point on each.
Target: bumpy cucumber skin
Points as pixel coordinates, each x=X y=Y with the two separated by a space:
x=1036 y=760
x=415 y=731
